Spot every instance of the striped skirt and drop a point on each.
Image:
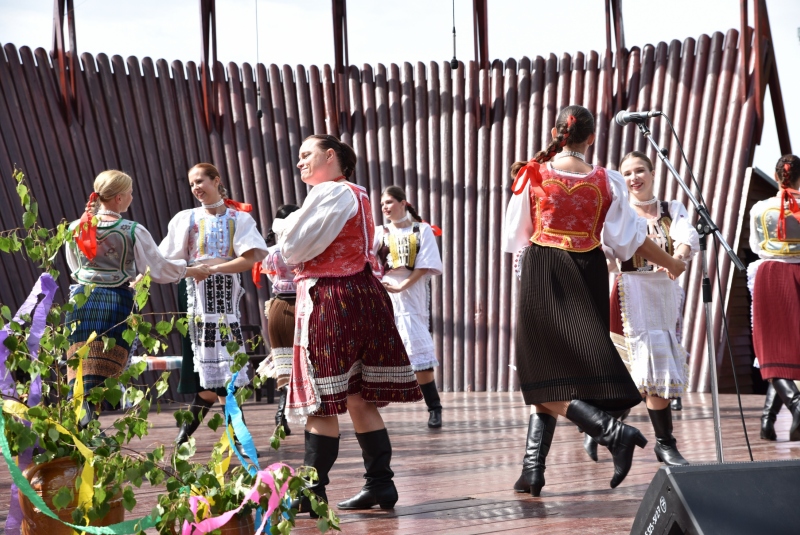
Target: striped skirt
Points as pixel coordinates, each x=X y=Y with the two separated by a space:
x=346 y=343
x=563 y=348
x=105 y=313
x=280 y=327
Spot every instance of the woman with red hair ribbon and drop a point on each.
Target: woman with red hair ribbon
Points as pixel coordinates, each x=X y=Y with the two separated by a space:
x=108 y=252
x=558 y=218
x=774 y=283
x=222 y=235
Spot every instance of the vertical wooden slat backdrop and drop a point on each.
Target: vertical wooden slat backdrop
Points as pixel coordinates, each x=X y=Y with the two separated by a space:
x=447 y=137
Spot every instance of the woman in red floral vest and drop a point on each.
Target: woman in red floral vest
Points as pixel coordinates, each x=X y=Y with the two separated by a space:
x=558 y=218
x=348 y=355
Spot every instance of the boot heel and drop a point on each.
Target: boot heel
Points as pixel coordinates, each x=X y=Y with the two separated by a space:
x=387 y=505
x=536 y=490
x=639 y=440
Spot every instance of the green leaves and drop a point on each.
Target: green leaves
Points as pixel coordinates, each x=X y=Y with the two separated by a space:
x=165 y=327
x=142 y=289
x=128 y=499
x=182 y=325
x=63 y=498
x=109 y=342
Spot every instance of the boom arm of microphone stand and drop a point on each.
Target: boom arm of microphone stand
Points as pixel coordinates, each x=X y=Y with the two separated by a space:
x=705 y=224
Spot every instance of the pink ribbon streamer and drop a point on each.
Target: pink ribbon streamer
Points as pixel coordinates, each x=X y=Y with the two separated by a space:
x=263 y=477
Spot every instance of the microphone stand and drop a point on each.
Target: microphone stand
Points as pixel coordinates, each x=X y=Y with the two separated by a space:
x=705 y=226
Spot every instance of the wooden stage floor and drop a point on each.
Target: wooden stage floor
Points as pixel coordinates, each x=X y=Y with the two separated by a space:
x=458 y=479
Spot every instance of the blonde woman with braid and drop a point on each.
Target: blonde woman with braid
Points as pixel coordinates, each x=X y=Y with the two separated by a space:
x=109 y=256
x=561 y=211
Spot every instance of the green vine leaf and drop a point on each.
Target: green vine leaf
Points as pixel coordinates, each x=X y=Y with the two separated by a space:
x=109 y=342
x=182 y=325
x=164 y=327
x=128 y=499
x=62 y=498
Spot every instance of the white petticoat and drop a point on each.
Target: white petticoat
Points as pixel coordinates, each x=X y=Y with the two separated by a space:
x=412 y=317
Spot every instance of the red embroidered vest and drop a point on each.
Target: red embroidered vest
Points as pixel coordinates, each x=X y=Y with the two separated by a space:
x=351 y=251
x=571 y=217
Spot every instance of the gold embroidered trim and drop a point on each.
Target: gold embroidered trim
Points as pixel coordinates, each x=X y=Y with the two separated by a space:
x=566 y=242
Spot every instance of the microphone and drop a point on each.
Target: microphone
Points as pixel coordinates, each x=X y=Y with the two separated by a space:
x=627 y=117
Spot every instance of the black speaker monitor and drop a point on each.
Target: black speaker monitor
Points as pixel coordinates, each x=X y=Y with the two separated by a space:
x=722 y=499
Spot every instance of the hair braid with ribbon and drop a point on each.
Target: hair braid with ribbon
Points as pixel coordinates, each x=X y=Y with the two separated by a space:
x=573 y=126
x=787 y=174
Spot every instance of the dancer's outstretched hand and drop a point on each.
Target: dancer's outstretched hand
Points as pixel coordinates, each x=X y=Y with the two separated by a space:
x=676 y=268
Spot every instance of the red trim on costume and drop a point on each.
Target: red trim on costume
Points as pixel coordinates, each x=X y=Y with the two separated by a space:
x=787 y=197
x=241 y=206
x=256 y=271
x=530 y=172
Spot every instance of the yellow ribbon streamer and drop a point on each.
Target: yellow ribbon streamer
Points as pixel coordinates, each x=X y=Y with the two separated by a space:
x=77 y=389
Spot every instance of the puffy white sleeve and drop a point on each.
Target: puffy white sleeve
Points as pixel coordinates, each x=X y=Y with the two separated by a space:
x=755 y=213
x=70 y=250
x=307 y=232
x=517 y=224
x=147 y=254
x=681 y=230
x=428 y=256
x=247 y=237
x=175 y=245
x=624 y=231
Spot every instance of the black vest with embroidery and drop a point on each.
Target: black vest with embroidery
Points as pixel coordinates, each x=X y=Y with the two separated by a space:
x=399 y=250
x=639 y=263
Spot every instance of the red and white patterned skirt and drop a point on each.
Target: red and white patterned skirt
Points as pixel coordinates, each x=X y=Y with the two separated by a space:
x=346 y=343
x=776 y=307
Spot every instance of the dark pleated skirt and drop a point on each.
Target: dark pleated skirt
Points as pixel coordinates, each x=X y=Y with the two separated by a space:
x=563 y=347
x=776 y=308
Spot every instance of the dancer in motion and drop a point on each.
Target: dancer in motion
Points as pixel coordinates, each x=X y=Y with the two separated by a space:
x=280 y=318
x=566 y=361
x=774 y=283
x=109 y=257
x=410 y=257
x=222 y=235
x=348 y=355
x=657 y=358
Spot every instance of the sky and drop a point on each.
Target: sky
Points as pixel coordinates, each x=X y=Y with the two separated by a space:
x=383 y=31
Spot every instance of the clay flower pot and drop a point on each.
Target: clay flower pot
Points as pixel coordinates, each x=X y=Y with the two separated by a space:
x=239 y=525
x=46 y=479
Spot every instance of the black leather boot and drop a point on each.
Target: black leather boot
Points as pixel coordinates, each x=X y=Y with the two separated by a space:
x=280 y=416
x=620 y=439
x=541 y=427
x=321 y=453
x=199 y=409
x=788 y=393
x=676 y=404
x=238 y=445
x=666 y=446
x=590 y=446
x=772 y=406
x=379 y=488
x=431 y=395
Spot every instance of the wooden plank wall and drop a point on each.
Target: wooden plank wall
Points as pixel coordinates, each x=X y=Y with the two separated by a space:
x=448 y=137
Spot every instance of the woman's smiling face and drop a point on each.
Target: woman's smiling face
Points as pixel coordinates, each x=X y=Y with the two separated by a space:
x=639 y=178
x=392 y=209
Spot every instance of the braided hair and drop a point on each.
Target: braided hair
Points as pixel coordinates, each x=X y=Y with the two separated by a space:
x=574 y=125
x=397 y=193
x=787 y=171
x=345 y=154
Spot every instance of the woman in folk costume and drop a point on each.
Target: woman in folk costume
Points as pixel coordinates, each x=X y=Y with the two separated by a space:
x=109 y=255
x=566 y=361
x=774 y=283
x=280 y=318
x=657 y=360
x=410 y=257
x=348 y=355
x=222 y=235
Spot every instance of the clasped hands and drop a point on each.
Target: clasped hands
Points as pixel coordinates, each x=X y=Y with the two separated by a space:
x=199 y=272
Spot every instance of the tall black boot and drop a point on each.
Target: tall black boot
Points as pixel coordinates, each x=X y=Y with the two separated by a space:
x=620 y=439
x=666 y=446
x=431 y=395
x=590 y=446
x=772 y=406
x=541 y=427
x=379 y=488
x=236 y=443
x=280 y=416
x=676 y=404
x=199 y=409
x=788 y=393
x=321 y=453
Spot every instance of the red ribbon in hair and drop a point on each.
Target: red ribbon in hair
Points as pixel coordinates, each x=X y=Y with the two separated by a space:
x=257 y=268
x=570 y=121
x=86 y=234
x=436 y=230
x=788 y=202
x=241 y=206
x=529 y=173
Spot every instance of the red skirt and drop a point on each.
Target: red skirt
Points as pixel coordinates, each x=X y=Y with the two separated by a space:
x=353 y=348
x=776 y=309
